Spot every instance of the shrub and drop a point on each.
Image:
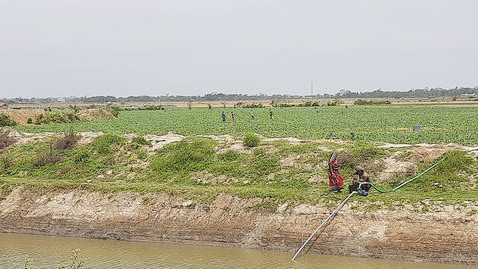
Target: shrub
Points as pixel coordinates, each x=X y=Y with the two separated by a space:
x=361 y=102
x=253 y=106
x=5 y=120
x=139 y=140
x=114 y=111
x=29 y=121
x=6 y=162
x=451 y=173
x=284 y=105
x=141 y=153
x=103 y=143
x=361 y=153
x=152 y=107
x=49 y=157
x=81 y=156
x=309 y=104
x=68 y=141
x=5 y=139
x=187 y=155
x=44 y=159
x=251 y=140
x=334 y=103
x=263 y=164
x=58 y=116
x=229 y=155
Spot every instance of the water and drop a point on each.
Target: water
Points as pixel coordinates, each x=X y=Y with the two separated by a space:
x=50 y=251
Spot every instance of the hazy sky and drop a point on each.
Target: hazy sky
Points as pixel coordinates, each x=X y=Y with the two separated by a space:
x=189 y=47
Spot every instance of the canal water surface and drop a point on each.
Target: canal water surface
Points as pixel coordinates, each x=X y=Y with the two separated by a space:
x=39 y=251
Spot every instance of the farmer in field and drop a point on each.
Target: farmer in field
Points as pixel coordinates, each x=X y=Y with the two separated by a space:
x=233 y=116
x=223 y=116
x=336 y=182
x=252 y=115
x=361 y=182
x=270 y=114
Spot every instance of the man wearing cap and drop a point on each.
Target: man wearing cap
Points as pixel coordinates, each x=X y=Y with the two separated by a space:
x=360 y=181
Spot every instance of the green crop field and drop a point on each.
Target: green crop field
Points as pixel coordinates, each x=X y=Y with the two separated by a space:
x=393 y=124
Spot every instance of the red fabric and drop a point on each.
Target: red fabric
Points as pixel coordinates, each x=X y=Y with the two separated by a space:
x=335 y=179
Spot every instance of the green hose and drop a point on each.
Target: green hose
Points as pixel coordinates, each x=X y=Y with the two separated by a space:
x=410 y=180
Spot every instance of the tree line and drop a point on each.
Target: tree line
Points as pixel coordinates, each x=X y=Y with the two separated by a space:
x=416 y=93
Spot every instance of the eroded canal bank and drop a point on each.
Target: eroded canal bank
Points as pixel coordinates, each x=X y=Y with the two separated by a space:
x=426 y=232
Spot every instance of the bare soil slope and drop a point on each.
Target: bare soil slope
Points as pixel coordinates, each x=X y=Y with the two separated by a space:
x=426 y=231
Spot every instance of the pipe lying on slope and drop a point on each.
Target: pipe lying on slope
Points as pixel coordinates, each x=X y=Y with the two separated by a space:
x=326 y=221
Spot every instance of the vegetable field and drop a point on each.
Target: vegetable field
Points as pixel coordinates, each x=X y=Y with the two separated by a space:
x=393 y=124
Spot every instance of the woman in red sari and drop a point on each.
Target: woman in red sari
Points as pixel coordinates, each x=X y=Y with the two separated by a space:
x=336 y=181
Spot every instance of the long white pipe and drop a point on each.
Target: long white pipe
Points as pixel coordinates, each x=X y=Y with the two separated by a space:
x=331 y=216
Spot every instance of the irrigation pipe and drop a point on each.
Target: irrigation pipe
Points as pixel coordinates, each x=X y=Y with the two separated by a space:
x=333 y=214
x=410 y=180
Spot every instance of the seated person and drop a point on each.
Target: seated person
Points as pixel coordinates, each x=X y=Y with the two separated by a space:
x=360 y=182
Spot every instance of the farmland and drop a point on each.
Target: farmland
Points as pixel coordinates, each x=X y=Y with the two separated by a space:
x=194 y=163
x=392 y=124
x=165 y=150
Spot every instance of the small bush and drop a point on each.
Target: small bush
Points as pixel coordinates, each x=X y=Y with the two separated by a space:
x=229 y=155
x=114 y=111
x=29 y=121
x=44 y=159
x=187 y=155
x=251 y=140
x=361 y=102
x=139 y=140
x=6 y=162
x=68 y=141
x=5 y=139
x=80 y=156
x=104 y=143
x=57 y=116
x=361 y=153
x=253 y=106
x=152 y=107
x=334 y=103
x=5 y=120
x=141 y=153
x=263 y=164
x=309 y=104
x=49 y=157
x=450 y=173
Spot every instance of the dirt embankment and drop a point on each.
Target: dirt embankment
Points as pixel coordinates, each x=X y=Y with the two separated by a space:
x=441 y=233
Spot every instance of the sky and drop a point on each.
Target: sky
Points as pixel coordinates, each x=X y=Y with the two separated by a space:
x=192 y=47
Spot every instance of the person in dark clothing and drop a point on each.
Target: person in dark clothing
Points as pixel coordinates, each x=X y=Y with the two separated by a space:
x=271 y=115
x=223 y=116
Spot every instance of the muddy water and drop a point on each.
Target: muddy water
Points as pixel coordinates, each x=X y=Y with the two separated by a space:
x=49 y=252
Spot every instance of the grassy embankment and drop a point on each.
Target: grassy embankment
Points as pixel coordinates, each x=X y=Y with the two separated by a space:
x=200 y=168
